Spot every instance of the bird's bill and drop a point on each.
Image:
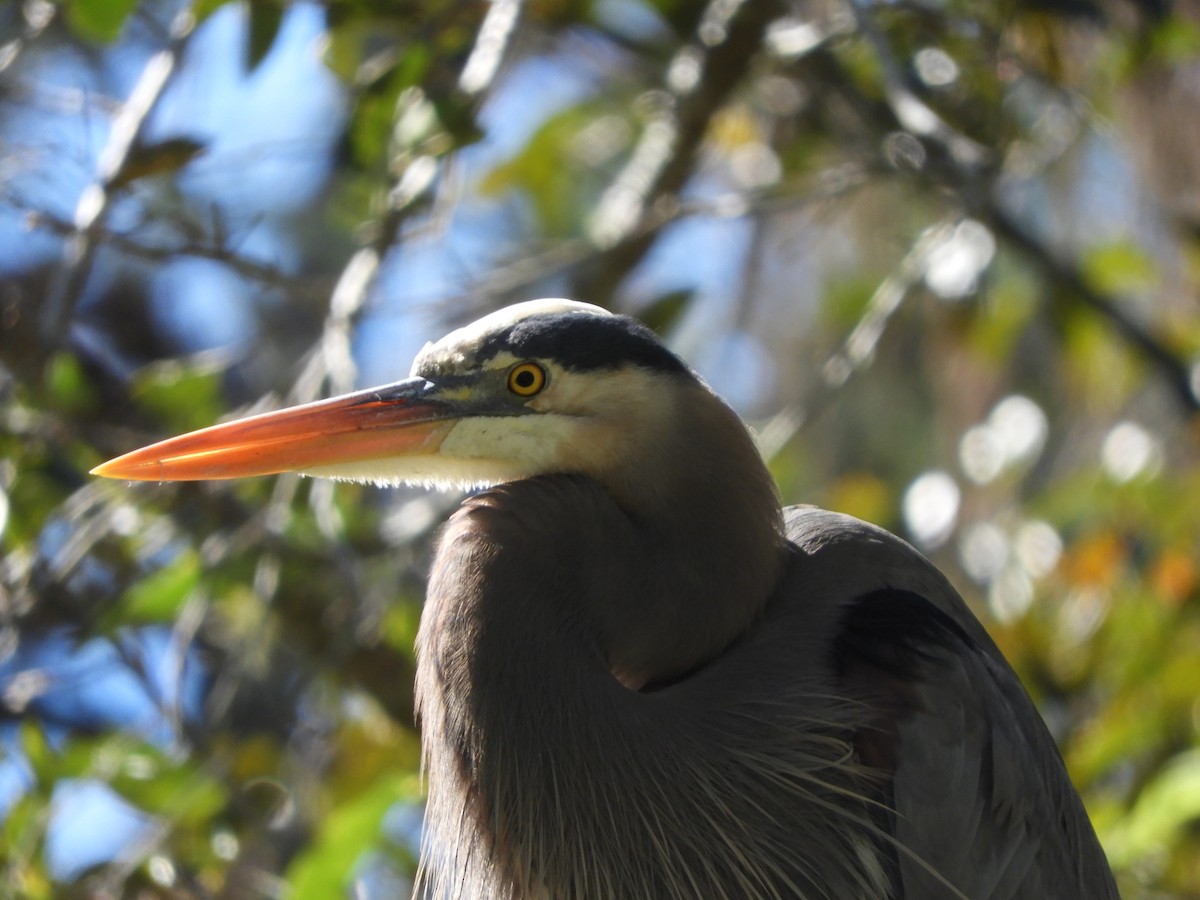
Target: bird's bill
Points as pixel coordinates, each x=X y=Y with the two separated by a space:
x=398 y=420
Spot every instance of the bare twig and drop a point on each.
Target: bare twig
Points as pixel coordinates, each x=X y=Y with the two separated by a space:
x=912 y=113
x=859 y=347
x=954 y=162
x=252 y=270
x=491 y=42
x=858 y=350
x=416 y=175
x=538 y=264
x=38 y=17
x=1064 y=273
x=94 y=203
x=698 y=81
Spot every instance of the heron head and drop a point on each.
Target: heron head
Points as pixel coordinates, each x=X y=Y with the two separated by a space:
x=539 y=387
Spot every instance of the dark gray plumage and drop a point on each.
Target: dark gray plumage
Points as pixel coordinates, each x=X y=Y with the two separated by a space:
x=638 y=677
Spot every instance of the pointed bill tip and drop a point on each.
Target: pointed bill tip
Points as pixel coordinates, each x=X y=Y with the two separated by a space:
x=369 y=425
x=140 y=465
x=167 y=461
x=108 y=469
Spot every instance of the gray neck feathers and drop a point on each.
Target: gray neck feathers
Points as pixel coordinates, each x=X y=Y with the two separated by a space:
x=548 y=776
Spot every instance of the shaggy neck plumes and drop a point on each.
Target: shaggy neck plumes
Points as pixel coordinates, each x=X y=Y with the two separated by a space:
x=548 y=600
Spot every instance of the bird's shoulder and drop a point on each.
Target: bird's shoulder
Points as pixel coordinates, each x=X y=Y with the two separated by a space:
x=978 y=791
x=839 y=557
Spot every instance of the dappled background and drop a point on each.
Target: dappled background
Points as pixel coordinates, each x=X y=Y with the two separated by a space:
x=945 y=256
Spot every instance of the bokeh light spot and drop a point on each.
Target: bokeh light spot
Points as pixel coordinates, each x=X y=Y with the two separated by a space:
x=935 y=67
x=931 y=508
x=1128 y=451
x=1011 y=594
x=1038 y=548
x=955 y=265
x=983 y=551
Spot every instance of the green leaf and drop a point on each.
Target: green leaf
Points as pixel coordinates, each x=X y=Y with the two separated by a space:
x=22 y=832
x=370 y=130
x=37 y=751
x=325 y=868
x=67 y=383
x=265 y=20
x=667 y=310
x=158 y=596
x=399 y=625
x=1119 y=267
x=186 y=794
x=846 y=298
x=184 y=397
x=1169 y=803
x=550 y=170
x=99 y=21
x=998 y=325
x=202 y=9
x=1176 y=41
x=346 y=50
x=157 y=159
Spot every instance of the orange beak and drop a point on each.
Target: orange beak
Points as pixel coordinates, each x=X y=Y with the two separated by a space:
x=399 y=419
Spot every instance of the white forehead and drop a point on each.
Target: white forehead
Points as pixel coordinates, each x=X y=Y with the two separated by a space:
x=473 y=334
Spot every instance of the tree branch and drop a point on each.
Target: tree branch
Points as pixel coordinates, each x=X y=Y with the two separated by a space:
x=951 y=160
x=698 y=82
x=95 y=201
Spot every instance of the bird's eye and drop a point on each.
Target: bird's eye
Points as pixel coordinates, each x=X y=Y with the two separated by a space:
x=526 y=379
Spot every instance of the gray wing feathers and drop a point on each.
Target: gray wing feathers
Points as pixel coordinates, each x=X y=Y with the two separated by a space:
x=980 y=794
x=974 y=797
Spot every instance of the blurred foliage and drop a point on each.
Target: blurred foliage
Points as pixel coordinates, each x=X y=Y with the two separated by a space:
x=965 y=263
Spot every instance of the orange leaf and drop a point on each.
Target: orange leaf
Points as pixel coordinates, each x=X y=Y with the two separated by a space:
x=1174 y=575
x=1096 y=559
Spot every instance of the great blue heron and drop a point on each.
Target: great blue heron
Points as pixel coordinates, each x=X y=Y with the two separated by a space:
x=638 y=677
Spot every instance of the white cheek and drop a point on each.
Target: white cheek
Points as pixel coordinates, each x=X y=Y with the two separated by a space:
x=529 y=444
x=477 y=452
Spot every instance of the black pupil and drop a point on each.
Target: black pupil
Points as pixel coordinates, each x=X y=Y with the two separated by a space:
x=524 y=378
